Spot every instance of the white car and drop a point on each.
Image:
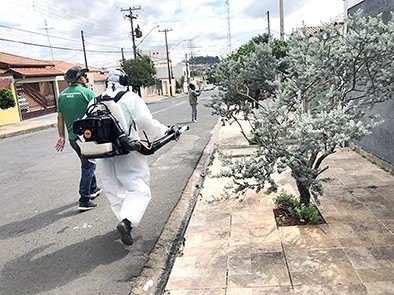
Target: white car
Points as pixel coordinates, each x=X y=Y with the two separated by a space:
x=209 y=87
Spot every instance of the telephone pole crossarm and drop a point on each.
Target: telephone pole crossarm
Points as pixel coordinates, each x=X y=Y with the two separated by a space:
x=131 y=17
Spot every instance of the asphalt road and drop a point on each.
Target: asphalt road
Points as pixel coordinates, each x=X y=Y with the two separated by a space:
x=48 y=246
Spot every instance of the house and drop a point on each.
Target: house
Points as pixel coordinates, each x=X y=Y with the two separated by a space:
x=36 y=84
x=311 y=30
x=33 y=83
x=166 y=71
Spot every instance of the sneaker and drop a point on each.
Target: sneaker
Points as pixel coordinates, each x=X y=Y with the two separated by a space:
x=95 y=193
x=194 y=121
x=124 y=229
x=87 y=206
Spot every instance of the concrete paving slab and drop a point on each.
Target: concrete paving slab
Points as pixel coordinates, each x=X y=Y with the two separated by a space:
x=358 y=289
x=261 y=291
x=350 y=254
x=378 y=288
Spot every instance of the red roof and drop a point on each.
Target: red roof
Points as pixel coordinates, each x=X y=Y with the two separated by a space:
x=11 y=61
x=309 y=31
x=64 y=66
x=23 y=67
x=33 y=72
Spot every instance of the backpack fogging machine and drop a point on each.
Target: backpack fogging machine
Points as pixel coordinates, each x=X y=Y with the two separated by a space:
x=102 y=132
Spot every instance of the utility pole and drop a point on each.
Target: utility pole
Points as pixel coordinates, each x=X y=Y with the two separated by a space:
x=49 y=40
x=131 y=17
x=228 y=27
x=191 y=63
x=123 y=59
x=187 y=70
x=282 y=30
x=268 y=21
x=84 y=51
x=168 y=58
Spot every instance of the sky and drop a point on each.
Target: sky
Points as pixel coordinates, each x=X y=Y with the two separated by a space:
x=53 y=29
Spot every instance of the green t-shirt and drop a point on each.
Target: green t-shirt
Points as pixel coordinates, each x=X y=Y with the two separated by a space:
x=72 y=103
x=193 y=97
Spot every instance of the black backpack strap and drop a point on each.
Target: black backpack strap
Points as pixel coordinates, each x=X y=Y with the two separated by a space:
x=119 y=95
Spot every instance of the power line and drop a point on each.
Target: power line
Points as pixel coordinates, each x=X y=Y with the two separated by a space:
x=31 y=32
x=49 y=40
x=56 y=47
x=67 y=16
x=56 y=37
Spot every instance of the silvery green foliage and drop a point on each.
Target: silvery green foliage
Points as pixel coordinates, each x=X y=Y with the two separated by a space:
x=245 y=80
x=321 y=102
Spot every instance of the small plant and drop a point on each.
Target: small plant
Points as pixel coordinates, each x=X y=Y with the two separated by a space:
x=307 y=213
x=286 y=201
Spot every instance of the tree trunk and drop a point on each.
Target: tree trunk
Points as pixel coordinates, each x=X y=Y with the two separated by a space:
x=305 y=195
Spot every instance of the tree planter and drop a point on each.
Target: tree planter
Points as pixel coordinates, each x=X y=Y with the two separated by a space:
x=290 y=211
x=284 y=218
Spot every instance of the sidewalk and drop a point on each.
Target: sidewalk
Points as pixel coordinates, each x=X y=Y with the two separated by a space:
x=235 y=248
x=28 y=126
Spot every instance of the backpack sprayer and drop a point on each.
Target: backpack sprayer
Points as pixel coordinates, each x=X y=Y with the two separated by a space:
x=101 y=134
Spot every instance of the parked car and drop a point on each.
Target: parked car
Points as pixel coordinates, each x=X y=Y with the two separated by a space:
x=23 y=104
x=209 y=87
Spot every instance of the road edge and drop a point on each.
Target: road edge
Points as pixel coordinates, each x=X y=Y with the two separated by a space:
x=162 y=257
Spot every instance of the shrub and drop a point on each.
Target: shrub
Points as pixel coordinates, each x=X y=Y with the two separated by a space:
x=6 y=99
x=309 y=213
x=289 y=202
x=285 y=201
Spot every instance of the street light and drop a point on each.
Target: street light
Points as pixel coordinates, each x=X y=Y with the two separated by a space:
x=177 y=45
x=147 y=35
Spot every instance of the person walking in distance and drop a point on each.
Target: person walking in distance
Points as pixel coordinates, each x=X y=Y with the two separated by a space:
x=72 y=104
x=193 y=100
x=126 y=177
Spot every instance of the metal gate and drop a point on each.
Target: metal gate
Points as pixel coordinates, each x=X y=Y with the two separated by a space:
x=36 y=99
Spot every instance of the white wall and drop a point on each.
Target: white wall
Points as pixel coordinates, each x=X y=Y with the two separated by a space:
x=351 y=3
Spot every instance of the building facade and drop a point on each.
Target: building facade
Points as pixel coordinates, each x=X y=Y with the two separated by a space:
x=380 y=142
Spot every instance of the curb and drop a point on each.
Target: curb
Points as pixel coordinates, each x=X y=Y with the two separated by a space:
x=25 y=131
x=162 y=257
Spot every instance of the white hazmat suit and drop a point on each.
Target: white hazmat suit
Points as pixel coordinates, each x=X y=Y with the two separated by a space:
x=126 y=178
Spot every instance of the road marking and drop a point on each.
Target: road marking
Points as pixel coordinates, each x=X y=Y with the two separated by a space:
x=162 y=110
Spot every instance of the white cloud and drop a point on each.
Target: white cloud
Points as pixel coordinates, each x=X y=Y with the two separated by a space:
x=106 y=30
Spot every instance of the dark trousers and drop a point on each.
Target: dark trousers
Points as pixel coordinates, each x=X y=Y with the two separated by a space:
x=88 y=181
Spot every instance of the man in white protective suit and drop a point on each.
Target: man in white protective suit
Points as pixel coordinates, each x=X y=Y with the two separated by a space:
x=126 y=178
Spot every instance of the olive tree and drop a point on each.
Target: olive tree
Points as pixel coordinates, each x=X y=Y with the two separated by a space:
x=317 y=105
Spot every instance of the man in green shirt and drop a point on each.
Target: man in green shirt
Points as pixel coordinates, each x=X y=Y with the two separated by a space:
x=72 y=104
